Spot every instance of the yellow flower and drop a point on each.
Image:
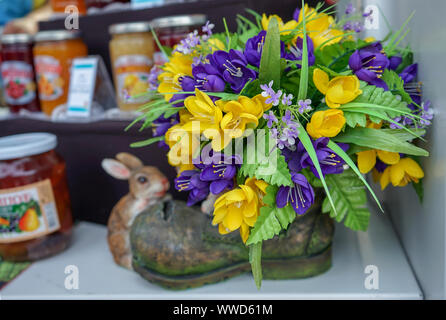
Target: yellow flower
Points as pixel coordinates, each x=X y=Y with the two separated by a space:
x=180 y=65
x=239 y=208
x=284 y=28
x=400 y=174
x=216 y=44
x=326 y=123
x=339 y=90
x=319 y=27
x=367 y=159
x=183 y=147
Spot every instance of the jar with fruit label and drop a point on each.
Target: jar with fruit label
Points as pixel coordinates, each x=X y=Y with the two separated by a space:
x=131 y=51
x=60 y=6
x=54 y=52
x=17 y=72
x=35 y=212
x=171 y=30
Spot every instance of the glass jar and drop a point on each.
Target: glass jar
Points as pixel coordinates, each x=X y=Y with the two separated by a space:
x=171 y=30
x=131 y=52
x=54 y=52
x=18 y=72
x=35 y=212
x=102 y=3
x=58 y=6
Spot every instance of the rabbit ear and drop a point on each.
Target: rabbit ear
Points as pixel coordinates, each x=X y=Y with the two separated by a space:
x=129 y=160
x=116 y=169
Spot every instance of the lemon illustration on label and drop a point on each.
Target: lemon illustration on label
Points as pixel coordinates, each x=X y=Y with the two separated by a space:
x=29 y=221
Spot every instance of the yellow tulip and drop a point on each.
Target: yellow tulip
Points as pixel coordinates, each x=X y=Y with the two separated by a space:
x=180 y=65
x=326 y=123
x=239 y=208
x=339 y=90
x=400 y=174
x=367 y=159
x=284 y=28
x=319 y=27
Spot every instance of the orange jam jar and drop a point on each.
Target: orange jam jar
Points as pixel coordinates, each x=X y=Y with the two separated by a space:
x=131 y=52
x=59 y=6
x=54 y=52
x=35 y=212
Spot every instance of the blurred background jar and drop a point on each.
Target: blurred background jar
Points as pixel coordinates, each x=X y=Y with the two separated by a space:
x=59 y=6
x=171 y=30
x=131 y=52
x=99 y=4
x=35 y=210
x=54 y=52
x=17 y=72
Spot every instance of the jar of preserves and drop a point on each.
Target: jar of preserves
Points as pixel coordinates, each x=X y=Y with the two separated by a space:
x=171 y=30
x=18 y=72
x=59 y=6
x=53 y=53
x=131 y=52
x=99 y=4
x=35 y=213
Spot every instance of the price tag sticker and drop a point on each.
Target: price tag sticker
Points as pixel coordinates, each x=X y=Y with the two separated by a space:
x=82 y=87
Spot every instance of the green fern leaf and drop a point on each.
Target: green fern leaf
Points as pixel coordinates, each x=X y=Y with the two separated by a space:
x=350 y=200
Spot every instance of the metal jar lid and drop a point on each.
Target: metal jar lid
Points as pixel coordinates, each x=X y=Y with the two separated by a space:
x=129 y=27
x=16 y=38
x=179 y=21
x=27 y=144
x=56 y=35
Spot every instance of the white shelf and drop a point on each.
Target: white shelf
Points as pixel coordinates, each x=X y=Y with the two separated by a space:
x=100 y=278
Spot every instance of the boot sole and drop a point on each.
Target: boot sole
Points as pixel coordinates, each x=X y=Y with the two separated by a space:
x=273 y=269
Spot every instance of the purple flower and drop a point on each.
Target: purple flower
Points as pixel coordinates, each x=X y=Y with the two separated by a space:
x=427 y=113
x=369 y=63
x=300 y=195
x=188 y=44
x=160 y=127
x=271 y=118
x=296 y=51
x=304 y=106
x=330 y=162
x=268 y=92
x=254 y=47
x=267 y=89
x=153 y=78
x=350 y=9
x=232 y=68
x=219 y=170
x=380 y=166
x=288 y=118
x=394 y=62
x=296 y=14
x=189 y=180
x=207 y=78
x=207 y=28
x=409 y=73
x=286 y=99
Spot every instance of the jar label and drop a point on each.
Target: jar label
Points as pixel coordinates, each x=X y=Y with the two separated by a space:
x=132 y=77
x=27 y=212
x=18 y=81
x=49 y=77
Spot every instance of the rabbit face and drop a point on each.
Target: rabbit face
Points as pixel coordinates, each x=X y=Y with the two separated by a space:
x=148 y=183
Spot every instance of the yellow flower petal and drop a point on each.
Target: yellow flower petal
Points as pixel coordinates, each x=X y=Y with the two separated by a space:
x=321 y=80
x=412 y=168
x=233 y=218
x=385 y=178
x=366 y=160
x=388 y=157
x=396 y=174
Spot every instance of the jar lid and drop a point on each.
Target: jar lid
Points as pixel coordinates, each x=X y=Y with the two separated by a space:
x=130 y=27
x=27 y=144
x=56 y=35
x=16 y=38
x=179 y=21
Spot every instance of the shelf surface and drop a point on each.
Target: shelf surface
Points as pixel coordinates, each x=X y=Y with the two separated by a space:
x=100 y=278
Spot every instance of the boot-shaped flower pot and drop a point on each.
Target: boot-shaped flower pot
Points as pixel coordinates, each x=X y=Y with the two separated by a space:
x=177 y=247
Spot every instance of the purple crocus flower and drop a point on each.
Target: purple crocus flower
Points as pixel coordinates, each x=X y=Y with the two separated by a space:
x=219 y=171
x=394 y=62
x=254 y=47
x=330 y=162
x=296 y=51
x=296 y=14
x=189 y=180
x=300 y=195
x=369 y=63
x=409 y=73
x=232 y=68
x=160 y=127
x=207 y=78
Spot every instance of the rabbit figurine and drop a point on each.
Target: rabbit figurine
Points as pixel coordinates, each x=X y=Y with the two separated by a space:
x=147 y=186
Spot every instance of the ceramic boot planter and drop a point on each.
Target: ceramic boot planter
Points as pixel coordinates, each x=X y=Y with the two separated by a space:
x=176 y=246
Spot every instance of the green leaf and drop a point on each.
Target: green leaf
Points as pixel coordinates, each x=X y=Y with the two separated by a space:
x=353 y=119
x=312 y=179
x=303 y=86
x=271 y=221
x=270 y=167
x=270 y=60
x=379 y=139
x=338 y=150
x=350 y=200
x=419 y=189
x=396 y=84
x=255 y=259
x=146 y=142
x=403 y=135
x=308 y=145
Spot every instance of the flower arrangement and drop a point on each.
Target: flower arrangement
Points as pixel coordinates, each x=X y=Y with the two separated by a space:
x=261 y=118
